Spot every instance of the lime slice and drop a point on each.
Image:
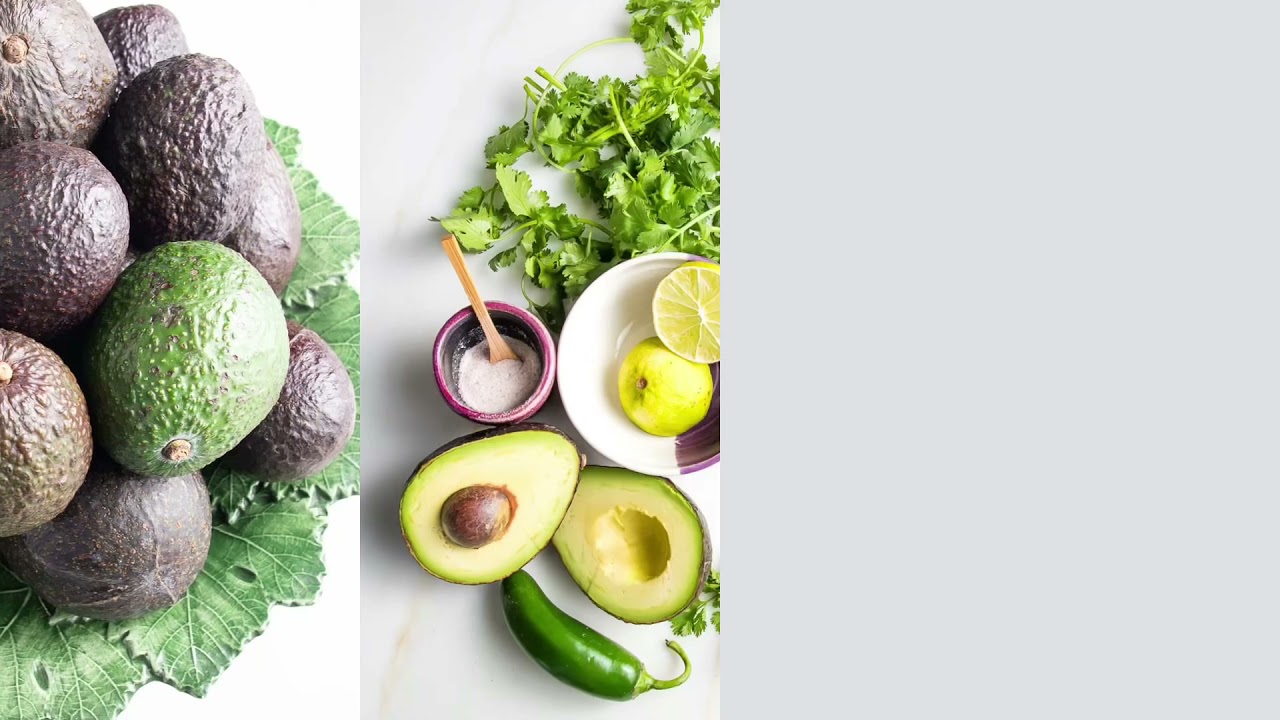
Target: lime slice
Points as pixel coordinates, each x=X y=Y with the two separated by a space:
x=686 y=312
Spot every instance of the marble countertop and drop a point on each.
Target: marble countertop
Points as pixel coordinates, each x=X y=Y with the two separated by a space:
x=438 y=78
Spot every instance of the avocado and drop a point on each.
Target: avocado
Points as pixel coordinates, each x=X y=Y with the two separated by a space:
x=186 y=357
x=45 y=439
x=310 y=423
x=480 y=507
x=635 y=544
x=127 y=545
x=270 y=238
x=185 y=140
x=57 y=77
x=139 y=36
x=64 y=232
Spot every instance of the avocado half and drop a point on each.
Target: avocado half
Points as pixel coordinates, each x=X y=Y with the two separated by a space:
x=481 y=507
x=635 y=544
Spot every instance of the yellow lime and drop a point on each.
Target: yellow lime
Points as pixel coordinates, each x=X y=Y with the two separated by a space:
x=686 y=311
x=661 y=392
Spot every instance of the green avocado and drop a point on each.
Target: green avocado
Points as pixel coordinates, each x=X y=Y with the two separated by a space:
x=311 y=422
x=126 y=546
x=139 y=36
x=480 y=507
x=45 y=439
x=270 y=237
x=635 y=544
x=187 y=355
x=185 y=141
x=57 y=77
x=64 y=232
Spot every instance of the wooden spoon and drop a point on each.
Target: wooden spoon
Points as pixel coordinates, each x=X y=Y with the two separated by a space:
x=499 y=350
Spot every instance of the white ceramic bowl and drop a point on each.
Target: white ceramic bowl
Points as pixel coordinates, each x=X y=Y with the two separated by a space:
x=612 y=315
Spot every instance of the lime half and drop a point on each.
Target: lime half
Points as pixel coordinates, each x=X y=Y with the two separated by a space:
x=686 y=312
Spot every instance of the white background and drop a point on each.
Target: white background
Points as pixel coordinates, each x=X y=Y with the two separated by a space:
x=302 y=61
x=438 y=78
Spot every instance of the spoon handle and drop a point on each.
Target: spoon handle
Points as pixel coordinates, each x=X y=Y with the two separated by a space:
x=498 y=348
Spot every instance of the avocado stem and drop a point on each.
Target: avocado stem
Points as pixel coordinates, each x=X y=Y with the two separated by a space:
x=647 y=681
x=14 y=49
x=6 y=373
x=176 y=451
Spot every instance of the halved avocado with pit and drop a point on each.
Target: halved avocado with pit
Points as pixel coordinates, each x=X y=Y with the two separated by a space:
x=635 y=544
x=479 y=508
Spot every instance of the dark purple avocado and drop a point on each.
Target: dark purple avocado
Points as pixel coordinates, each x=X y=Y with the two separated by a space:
x=64 y=232
x=310 y=423
x=185 y=141
x=57 y=77
x=45 y=439
x=139 y=36
x=127 y=545
x=270 y=237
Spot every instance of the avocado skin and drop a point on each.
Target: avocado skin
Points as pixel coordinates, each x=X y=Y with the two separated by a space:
x=46 y=442
x=63 y=85
x=64 y=232
x=185 y=141
x=270 y=238
x=311 y=422
x=190 y=345
x=126 y=546
x=139 y=36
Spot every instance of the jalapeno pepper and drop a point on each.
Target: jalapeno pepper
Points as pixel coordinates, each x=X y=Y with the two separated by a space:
x=572 y=652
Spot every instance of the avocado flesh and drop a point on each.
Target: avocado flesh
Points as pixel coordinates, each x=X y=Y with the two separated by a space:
x=186 y=357
x=537 y=465
x=126 y=546
x=635 y=544
x=45 y=439
x=57 y=77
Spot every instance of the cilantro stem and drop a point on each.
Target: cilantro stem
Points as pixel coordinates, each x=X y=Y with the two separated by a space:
x=552 y=79
x=696 y=220
x=599 y=227
x=617 y=113
x=697 y=54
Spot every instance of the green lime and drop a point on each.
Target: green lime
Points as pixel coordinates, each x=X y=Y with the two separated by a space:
x=686 y=312
x=661 y=392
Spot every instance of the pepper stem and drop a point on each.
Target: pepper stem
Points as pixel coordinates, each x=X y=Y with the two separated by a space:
x=647 y=681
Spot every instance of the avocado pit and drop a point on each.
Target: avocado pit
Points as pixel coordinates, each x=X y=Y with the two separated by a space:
x=14 y=49
x=477 y=515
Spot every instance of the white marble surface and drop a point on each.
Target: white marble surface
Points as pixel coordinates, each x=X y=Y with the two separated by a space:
x=438 y=78
x=306 y=662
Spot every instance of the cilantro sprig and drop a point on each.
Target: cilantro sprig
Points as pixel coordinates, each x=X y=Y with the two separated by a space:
x=638 y=150
x=693 y=619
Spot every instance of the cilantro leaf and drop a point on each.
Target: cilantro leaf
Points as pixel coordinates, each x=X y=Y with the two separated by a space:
x=693 y=619
x=508 y=144
x=655 y=22
x=517 y=188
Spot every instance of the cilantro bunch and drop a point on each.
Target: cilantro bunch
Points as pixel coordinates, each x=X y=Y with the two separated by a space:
x=638 y=150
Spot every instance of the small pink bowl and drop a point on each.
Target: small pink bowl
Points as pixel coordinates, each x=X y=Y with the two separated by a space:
x=462 y=332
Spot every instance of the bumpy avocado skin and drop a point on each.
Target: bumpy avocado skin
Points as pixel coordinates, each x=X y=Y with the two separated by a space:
x=312 y=421
x=45 y=439
x=64 y=232
x=57 y=77
x=185 y=140
x=270 y=238
x=186 y=357
x=126 y=546
x=139 y=36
